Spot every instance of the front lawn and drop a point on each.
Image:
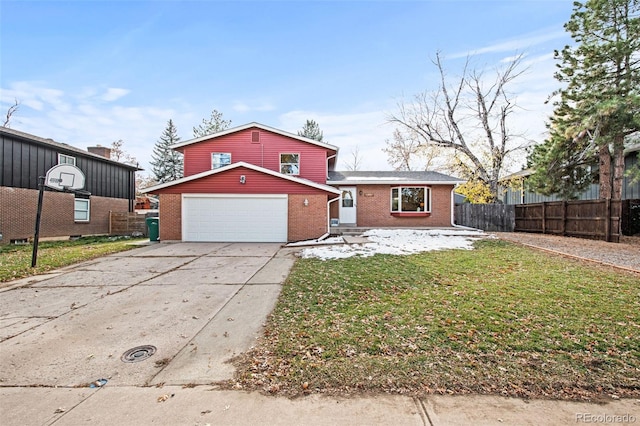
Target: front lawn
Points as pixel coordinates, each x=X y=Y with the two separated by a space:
x=15 y=260
x=500 y=319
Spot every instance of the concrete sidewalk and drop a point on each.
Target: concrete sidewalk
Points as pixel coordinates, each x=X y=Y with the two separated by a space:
x=204 y=405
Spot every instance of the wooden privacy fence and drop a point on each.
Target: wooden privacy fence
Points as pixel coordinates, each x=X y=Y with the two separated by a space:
x=594 y=219
x=126 y=223
x=488 y=217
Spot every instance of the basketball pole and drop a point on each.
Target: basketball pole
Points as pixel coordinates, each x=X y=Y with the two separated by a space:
x=36 y=237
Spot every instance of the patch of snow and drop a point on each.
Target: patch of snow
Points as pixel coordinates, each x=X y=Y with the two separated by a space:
x=399 y=242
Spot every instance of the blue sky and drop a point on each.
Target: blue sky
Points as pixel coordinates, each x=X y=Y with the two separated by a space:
x=92 y=72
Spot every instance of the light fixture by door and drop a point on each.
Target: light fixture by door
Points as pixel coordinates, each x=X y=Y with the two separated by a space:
x=243 y=179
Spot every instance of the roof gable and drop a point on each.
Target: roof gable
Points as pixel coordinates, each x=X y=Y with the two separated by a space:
x=258 y=126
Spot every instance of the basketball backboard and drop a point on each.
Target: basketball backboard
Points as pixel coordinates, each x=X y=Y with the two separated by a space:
x=64 y=177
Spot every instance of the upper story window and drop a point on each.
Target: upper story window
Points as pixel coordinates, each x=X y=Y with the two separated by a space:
x=66 y=159
x=410 y=199
x=220 y=159
x=290 y=164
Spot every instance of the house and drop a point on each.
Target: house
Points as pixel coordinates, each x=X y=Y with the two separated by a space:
x=109 y=186
x=517 y=193
x=256 y=183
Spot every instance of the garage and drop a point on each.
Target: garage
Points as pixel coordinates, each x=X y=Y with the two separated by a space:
x=234 y=217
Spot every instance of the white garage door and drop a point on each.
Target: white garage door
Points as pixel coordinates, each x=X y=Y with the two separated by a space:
x=243 y=218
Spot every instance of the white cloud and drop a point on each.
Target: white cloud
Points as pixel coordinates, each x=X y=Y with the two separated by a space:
x=113 y=94
x=35 y=95
x=518 y=44
x=261 y=106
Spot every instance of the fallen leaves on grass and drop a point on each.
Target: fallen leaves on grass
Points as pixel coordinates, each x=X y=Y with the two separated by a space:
x=488 y=321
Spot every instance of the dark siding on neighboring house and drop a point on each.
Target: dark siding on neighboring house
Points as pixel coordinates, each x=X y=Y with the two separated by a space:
x=24 y=160
x=631 y=190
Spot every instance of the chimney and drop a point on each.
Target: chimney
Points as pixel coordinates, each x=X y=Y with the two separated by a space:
x=102 y=151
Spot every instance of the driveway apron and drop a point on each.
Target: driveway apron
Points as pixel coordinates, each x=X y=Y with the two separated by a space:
x=193 y=306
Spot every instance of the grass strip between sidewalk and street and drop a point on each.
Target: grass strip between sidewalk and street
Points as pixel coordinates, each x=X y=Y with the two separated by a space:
x=15 y=260
x=500 y=319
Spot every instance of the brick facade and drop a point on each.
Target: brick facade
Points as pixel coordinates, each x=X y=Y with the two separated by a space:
x=19 y=207
x=170 y=213
x=374 y=204
x=307 y=222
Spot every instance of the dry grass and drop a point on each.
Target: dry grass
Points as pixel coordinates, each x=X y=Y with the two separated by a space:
x=501 y=319
x=15 y=260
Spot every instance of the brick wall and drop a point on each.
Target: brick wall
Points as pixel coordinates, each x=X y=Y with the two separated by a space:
x=373 y=208
x=307 y=222
x=170 y=213
x=18 y=210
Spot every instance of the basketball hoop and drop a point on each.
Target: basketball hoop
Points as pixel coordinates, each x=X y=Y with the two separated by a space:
x=64 y=177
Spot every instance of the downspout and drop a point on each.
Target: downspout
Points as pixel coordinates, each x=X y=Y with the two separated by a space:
x=328 y=218
x=329 y=158
x=329 y=203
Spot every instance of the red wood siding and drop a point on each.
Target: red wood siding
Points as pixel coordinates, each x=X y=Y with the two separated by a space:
x=229 y=183
x=266 y=153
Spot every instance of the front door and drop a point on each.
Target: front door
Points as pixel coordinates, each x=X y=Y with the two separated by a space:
x=348 y=205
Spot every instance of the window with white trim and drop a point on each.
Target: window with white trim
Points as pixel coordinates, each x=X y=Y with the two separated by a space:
x=66 y=159
x=409 y=199
x=290 y=164
x=81 y=210
x=220 y=159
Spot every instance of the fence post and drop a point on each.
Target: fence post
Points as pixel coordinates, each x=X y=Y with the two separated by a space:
x=544 y=218
x=607 y=220
x=564 y=218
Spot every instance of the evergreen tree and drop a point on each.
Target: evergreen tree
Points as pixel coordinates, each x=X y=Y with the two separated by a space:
x=212 y=125
x=311 y=130
x=166 y=163
x=599 y=104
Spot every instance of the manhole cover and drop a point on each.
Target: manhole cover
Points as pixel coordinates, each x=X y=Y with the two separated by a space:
x=139 y=353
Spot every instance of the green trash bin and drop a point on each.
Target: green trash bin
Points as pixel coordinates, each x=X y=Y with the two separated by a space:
x=153 y=223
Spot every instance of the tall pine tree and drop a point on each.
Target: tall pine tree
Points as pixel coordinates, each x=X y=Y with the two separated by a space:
x=212 y=125
x=311 y=130
x=599 y=104
x=166 y=163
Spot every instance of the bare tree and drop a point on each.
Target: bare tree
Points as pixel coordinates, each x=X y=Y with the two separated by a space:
x=469 y=118
x=12 y=110
x=355 y=161
x=405 y=152
x=119 y=154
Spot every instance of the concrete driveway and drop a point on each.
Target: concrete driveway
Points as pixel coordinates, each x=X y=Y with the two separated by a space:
x=197 y=304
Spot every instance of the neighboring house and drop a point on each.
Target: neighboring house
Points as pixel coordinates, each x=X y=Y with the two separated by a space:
x=25 y=157
x=517 y=192
x=260 y=184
